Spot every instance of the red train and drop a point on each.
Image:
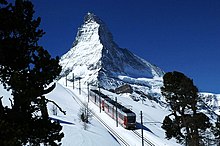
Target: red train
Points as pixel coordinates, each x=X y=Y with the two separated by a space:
x=126 y=117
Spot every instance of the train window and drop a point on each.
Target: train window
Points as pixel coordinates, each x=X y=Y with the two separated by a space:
x=120 y=116
x=131 y=119
x=110 y=110
x=125 y=120
x=106 y=107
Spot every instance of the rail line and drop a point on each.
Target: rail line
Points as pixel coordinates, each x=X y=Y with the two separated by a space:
x=117 y=136
x=113 y=133
x=149 y=143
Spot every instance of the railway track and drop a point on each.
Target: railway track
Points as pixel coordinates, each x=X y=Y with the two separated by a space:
x=149 y=143
x=113 y=133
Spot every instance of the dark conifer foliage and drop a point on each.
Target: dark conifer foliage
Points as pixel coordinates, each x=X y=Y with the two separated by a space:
x=216 y=130
x=184 y=123
x=27 y=70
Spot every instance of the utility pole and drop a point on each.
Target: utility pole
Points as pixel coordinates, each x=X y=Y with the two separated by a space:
x=88 y=91
x=142 y=136
x=73 y=80
x=66 y=80
x=79 y=87
x=116 y=116
x=100 y=101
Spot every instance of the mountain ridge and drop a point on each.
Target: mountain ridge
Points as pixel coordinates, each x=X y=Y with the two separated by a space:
x=97 y=59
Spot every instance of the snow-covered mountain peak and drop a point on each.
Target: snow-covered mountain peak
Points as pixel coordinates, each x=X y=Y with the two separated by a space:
x=92 y=30
x=96 y=58
x=90 y=17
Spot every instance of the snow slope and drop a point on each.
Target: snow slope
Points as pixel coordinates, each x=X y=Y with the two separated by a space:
x=153 y=115
x=74 y=134
x=96 y=134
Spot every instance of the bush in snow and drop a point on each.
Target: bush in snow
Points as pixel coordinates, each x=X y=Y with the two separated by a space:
x=85 y=115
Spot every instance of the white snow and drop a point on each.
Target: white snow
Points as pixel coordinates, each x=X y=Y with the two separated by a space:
x=96 y=134
x=74 y=134
x=153 y=115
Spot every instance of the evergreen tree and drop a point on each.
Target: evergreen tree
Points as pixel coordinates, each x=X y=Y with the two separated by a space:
x=184 y=123
x=216 y=131
x=27 y=70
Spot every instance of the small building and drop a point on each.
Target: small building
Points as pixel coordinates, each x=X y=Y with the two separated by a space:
x=124 y=89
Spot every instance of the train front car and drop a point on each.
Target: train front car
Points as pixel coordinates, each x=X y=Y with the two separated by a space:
x=129 y=119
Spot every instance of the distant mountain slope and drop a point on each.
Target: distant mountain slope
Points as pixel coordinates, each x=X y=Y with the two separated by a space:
x=97 y=59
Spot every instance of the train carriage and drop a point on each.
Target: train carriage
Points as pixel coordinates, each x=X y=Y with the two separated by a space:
x=126 y=117
x=109 y=108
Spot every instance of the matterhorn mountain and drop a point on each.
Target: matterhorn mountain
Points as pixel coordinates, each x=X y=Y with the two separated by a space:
x=98 y=60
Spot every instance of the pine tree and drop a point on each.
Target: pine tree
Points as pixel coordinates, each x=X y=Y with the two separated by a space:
x=184 y=123
x=216 y=131
x=27 y=70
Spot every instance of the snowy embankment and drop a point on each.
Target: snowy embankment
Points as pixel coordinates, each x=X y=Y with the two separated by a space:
x=74 y=134
x=96 y=134
x=153 y=115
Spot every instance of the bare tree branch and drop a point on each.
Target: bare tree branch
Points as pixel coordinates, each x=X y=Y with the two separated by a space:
x=1 y=105
x=11 y=102
x=64 y=112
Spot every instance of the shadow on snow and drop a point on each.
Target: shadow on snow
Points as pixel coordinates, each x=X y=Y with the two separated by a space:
x=61 y=121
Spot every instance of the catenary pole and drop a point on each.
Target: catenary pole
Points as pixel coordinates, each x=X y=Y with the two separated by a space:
x=100 y=100
x=73 y=80
x=116 y=116
x=79 y=86
x=142 y=136
x=66 y=80
x=88 y=91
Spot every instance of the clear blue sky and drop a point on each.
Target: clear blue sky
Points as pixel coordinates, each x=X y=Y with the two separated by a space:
x=181 y=35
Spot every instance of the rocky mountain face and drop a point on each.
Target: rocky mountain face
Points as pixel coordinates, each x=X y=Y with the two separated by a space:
x=98 y=60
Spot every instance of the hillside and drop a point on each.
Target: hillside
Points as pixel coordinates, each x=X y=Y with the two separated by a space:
x=74 y=133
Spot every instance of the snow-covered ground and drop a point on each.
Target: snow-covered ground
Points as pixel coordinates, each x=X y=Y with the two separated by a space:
x=153 y=115
x=74 y=133
x=96 y=134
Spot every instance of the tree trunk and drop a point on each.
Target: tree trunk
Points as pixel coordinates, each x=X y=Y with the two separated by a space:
x=1 y=107
x=43 y=108
x=194 y=140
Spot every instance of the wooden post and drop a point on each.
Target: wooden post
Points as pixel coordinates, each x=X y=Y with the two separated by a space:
x=66 y=80
x=88 y=91
x=100 y=101
x=73 y=80
x=79 y=86
x=142 y=136
x=116 y=116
